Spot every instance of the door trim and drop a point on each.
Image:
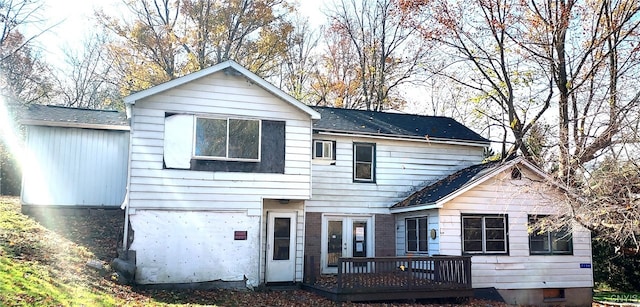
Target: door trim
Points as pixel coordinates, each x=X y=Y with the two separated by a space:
x=347 y=226
x=270 y=264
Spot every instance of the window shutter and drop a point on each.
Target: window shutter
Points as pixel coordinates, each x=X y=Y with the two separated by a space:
x=178 y=141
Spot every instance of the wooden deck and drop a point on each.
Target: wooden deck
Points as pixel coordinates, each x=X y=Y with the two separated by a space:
x=392 y=278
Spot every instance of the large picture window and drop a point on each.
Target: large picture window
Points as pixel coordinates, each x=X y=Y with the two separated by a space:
x=364 y=162
x=548 y=242
x=417 y=234
x=228 y=138
x=484 y=234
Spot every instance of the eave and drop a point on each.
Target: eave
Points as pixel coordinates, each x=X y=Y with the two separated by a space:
x=409 y=138
x=46 y=123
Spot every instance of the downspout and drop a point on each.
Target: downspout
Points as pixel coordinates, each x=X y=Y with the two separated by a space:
x=125 y=202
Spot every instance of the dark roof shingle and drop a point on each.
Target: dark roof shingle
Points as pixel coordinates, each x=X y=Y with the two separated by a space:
x=66 y=115
x=448 y=185
x=393 y=124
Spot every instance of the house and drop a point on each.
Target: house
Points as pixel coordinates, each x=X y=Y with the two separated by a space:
x=489 y=211
x=76 y=158
x=217 y=157
x=363 y=163
x=232 y=182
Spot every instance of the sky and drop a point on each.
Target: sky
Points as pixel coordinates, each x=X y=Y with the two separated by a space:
x=74 y=19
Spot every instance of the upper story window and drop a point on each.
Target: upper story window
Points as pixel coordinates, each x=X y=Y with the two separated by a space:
x=417 y=234
x=227 y=139
x=484 y=234
x=549 y=242
x=324 y=150
x=364 y=162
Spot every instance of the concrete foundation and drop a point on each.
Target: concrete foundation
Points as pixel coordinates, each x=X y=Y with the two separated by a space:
x=536 y=297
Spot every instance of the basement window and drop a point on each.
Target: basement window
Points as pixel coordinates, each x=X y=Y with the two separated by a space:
x=553 y=295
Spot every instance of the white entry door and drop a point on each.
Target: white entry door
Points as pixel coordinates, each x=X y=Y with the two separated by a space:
x=345 y=237
x=281 y=247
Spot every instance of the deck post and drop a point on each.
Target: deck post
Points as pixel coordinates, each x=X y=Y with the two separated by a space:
x=467 y=271
x=340 y=271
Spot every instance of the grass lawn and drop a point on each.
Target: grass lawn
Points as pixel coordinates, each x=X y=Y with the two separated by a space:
x=616 y=297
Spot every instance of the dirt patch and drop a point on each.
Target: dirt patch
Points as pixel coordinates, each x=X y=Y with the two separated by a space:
x=100 y=231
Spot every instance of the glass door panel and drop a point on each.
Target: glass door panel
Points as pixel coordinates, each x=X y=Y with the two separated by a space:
x=359 y=241
x=334 y=242
x=281 y=238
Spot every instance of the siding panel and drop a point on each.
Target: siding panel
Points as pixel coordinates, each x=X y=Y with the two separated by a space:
x=401 y=167
x=73 y=166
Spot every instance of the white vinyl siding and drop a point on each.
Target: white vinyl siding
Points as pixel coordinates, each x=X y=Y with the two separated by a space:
x=519 y=270
x=401 y=167
x=75 y=167
x=152 y=186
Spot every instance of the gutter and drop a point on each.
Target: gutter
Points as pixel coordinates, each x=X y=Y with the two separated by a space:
x=410 y=139
x=33 y=122
x=420 y=207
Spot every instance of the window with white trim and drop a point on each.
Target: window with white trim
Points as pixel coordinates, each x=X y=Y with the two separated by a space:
x=324 y=150
x=542 y=242
x=484 y=234
x=364 y=162
x=417 y=234
x=227 y=139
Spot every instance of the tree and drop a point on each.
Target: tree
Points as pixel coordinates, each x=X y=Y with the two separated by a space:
x=579 y=57
x=148 y=49
x=478 y=52
x=86 y=82
x=24 y=76
x=337 y=84
x=166 y=39
x=374 y=49
x=299 y=62
x=589 y=49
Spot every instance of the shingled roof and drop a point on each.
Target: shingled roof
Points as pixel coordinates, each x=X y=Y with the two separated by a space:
x=393 y=124
x=46 y=115
x=439 y=190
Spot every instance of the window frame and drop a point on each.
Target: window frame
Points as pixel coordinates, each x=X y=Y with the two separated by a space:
x=373 y=163
x=483 y=217
x=551 y=237
x=226 y=157
x=418 y=232
x=332 y=156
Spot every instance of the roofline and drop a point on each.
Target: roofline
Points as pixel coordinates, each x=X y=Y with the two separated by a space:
x=406 y=138
x=34 y=122
x=472 y=184
x=131 y=99
x=415 y=208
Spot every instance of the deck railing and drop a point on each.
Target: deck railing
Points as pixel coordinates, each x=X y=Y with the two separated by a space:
x=398 y=273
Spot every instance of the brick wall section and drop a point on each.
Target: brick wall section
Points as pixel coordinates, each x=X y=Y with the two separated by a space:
x=312 y=239
x=385 y=235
